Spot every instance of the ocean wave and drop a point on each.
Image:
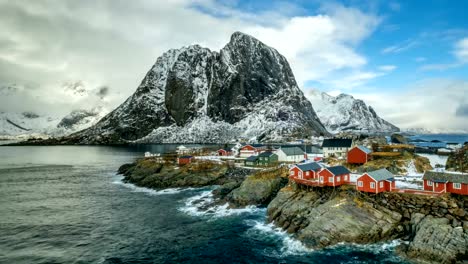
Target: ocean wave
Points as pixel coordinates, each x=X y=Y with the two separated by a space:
x=265 y=231
x=204 y=204
x=376 y=248
x=149 y=191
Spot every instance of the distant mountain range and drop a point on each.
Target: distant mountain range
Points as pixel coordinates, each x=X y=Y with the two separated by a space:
x=344 y=113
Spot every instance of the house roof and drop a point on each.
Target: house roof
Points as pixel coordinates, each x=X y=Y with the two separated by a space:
x=338 y=170
x=313 y=149
x=252 y=158
x=292 y=151
x=437 y=176
x=380 y=175
x=337 y=143
x=185 y=157
x=311 y=166
x=258 y=145
x=266 y=154
x=364 y=149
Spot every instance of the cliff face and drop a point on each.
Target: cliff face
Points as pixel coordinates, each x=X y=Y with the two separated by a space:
x=458 y=161
x=192 y=94
x=436 y=228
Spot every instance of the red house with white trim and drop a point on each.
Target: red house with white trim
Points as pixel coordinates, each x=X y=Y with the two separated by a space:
x=358 y=155
x=442 y=182
x=334 y=176
x=305 y=171
x=376 y=181
x=183 y=160
x=224 y=152
x=251 y=150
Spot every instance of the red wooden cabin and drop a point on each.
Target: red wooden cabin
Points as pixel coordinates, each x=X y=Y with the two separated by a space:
x=251 y=150
x=376 y=181
x=441 y=182
x=224 y=152
x=334 y=176
x=358 y=155
x=306 y=171
x=184 y=160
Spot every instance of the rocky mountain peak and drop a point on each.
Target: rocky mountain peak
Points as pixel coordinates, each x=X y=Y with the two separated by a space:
x=192 y=94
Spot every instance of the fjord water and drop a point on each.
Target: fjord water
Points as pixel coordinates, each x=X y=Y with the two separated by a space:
x=64 y=204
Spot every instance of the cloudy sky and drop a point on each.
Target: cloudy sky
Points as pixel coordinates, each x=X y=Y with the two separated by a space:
x=58 y=55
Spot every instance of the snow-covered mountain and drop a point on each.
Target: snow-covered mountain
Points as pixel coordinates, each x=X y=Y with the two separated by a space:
x=246 y=90
x=345 y=113
x=32 y=125
x=420 y=131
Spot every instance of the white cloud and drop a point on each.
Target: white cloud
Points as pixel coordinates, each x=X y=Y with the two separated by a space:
x=432 y=103
x=387 y=67
x=461 y=50
x=400 y=47
x=47 y=43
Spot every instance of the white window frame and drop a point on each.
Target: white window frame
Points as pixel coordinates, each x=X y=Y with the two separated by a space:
x=300 y=174
x=456 y=185
x=321 y=178
x=346 y=177
x=338 y=178
x=381 y=184
x=360 y=183
x=307 y=173
x=429 y=183
x=372 y=185
x=330 y=179
x=291 y=173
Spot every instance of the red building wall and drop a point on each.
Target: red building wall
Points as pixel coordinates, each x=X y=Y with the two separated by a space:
x=308 y=175
x=357 y=156
x=183 y=161
x=436 y=186
x=366 y=180
x=338 y=179
x=462 y=191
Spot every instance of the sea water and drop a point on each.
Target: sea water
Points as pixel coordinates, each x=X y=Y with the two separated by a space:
x=65 y=204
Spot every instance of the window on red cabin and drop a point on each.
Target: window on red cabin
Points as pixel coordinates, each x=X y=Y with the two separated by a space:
x=457 y=185
x=330 y=179
x=360 y=184
x=372 y=185
x=429 y=183
x=291 y=173
x=338 y=178
x=346 y=177
x=381 y=184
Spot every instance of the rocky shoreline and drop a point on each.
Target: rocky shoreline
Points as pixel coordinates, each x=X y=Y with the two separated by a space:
x=435 y=228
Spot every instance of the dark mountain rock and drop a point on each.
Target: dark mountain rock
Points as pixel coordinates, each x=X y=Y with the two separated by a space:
x=192 y=94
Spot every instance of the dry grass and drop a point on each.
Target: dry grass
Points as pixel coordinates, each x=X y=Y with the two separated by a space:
x=271 y=174
x=386 y=154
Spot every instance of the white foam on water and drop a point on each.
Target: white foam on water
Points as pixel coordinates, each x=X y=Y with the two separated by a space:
x=149 y=191
x=290 y=245
x=203 y=205
x=381 y=247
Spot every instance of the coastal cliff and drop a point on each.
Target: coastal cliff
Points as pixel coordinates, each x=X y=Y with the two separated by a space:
x=436 y=228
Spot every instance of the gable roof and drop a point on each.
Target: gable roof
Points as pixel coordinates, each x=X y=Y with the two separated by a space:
x=338 y=170
x=252 y=158
x=311 y=166
x=380 y=175
x=364 y=149
x=337 y=143
x=258 y=145
x=437 y=176
x=292 y=151
x=266 y=154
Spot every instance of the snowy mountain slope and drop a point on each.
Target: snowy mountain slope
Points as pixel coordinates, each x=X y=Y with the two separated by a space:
x=192 y=94
x=31 y=125
x=345 y=113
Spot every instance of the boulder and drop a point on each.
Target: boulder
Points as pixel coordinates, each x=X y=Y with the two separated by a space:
x=436 y=241
x=256 y=190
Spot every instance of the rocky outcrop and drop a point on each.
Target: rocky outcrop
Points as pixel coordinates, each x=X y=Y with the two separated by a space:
x=151 y=174
x=435 y=227
x=458 y=160
x=436 y=240
x=258 y=189
x=398 y=139
x=322 y=220
x=196 y=95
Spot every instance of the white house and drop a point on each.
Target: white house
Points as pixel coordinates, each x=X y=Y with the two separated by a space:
x=336 y=147
x=290 y=154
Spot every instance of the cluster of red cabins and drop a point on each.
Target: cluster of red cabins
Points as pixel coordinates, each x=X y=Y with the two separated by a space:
x=378 y=181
